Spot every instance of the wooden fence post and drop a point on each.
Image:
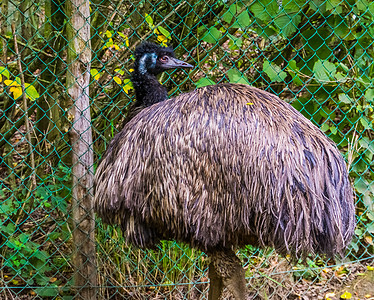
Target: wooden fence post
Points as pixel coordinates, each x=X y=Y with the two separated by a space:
x=77 y=81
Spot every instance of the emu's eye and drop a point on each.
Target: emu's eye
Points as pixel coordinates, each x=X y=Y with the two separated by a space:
x=163 y=59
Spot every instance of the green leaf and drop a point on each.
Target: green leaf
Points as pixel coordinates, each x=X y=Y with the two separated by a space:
x=230 y=13
x=324 y=70
x=333 y=129
x=274 y=72
x=4 y=72
x=108 y=34
x=149 y=20
x=293 y=5
x=288 y=24
x=265 y=10
x=365 y=6
x=120 y=71
x=367 y=143
x=369 y=95
x=212 y=36
x=122 y=35
x=371 y=215
x=292 y=65
x=204 y=82
x=6 y=208
x=293 y=69
x=361 y=185
x=359 y=232
x=10 y=228
x=236 y=77
x=236 y=41
x=343 y=31
x=335 y=6
x=318 y=5
x=365 y=123
x=31 y=92
x=325 y=127
x=368 y=201
x=95 y=74
x=164 y=32
x=127 y=85
x=242 y=20
x=344 y=67
x=344 y=98
x=46 y=291
x=41 y=255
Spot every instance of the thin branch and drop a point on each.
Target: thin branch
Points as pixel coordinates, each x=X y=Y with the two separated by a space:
x=27 y=120
x=6 y=37
x=108 y=22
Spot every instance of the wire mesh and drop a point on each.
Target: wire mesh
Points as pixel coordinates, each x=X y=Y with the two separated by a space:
x=316 y=55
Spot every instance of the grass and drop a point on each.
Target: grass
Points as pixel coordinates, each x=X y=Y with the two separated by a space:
x=139 y=272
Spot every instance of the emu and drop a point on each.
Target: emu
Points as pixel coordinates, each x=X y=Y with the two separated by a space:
x=219 y=168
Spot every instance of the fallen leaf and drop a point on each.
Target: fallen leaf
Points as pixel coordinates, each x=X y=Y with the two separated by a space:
x=369 y=239
x=346 y=295
x=328 y=295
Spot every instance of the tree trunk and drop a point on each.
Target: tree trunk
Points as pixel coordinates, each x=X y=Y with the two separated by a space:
x=48 y=115
x=77 y=81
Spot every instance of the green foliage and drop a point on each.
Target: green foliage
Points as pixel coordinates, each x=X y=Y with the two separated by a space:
x=15 y=86
x=204 y=82
x=274 y=72
x=212 y=35
x=26 y=260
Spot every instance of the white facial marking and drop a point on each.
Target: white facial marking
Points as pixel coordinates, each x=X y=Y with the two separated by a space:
x=143 y=61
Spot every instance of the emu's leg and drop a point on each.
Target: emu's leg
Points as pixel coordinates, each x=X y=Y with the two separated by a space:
x=229 y=273
x=216 y=283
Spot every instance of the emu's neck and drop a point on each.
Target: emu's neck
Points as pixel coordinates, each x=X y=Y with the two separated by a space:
x=147 y=89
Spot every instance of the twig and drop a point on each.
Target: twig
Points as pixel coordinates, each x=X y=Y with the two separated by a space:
x=5 y=37
x=27 y=120
x=109 y=21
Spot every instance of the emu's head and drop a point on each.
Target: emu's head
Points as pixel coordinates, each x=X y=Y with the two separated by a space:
x=154 y=59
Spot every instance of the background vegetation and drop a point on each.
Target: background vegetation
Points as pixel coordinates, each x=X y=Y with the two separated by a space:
x=317 y=55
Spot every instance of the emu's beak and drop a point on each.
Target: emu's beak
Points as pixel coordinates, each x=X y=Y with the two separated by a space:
x=174 y=63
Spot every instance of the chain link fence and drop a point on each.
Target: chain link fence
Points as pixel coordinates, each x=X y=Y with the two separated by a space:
x=317 y=55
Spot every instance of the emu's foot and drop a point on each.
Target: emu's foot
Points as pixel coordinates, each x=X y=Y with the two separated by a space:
x=225 y=270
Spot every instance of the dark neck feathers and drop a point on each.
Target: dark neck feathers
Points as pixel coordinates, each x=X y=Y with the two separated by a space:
x=147 y=89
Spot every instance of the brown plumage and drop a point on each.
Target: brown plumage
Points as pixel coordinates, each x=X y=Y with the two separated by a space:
x=222 y=167
x=208 y=169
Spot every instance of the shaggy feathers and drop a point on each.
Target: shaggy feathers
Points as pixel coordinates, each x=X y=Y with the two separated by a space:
x=207 y=169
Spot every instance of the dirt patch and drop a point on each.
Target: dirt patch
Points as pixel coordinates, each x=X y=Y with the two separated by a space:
x=362 y=287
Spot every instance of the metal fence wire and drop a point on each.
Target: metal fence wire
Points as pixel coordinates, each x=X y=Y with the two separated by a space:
x=317 y=55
